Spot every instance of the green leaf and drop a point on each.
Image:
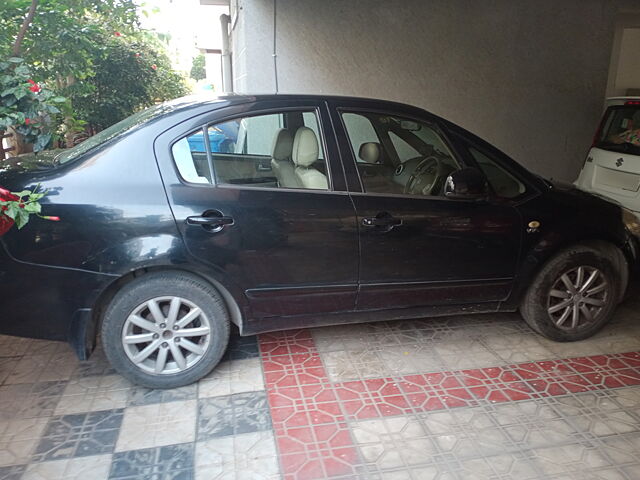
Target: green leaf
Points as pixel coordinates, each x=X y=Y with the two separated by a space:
x=33 y=207
x=16 y=60
x=21 y=218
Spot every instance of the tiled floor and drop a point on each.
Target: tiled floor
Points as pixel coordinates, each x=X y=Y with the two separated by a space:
x=478 y=397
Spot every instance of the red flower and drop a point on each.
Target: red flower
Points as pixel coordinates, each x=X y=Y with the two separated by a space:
x=53 y=219
x=27 y=121
x=154 y=67
x=6 y=195
x=4 y=208
x=21 y=205
x=117 y=34
x=31 y=82
x=34 y=88
x=137 y=55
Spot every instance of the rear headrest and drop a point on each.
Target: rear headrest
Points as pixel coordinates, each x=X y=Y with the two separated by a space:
x=370 y=152
x=305 y=147
x=282 y=145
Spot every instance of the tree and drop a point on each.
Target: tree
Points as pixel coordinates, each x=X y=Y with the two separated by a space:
x=85 y=50
x=198 y=71
x=129 y=74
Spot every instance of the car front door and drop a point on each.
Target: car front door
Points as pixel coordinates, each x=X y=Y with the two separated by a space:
x=419 y=248
x=289 y=247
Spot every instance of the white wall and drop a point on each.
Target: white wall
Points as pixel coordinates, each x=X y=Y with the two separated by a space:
x=527 y=75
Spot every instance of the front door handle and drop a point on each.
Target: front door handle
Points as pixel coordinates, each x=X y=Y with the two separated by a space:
x=211 y=220
x=382 y=220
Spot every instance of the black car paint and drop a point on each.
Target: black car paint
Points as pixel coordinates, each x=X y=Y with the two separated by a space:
x=292 y=258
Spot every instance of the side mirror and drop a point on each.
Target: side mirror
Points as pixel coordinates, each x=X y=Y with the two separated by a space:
x=466 y=184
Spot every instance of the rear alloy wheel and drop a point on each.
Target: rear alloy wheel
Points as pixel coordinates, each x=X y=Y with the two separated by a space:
x=574 y=295
x=165 y=330
x=166 y=335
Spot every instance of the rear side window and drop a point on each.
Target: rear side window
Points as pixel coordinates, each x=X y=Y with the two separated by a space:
x=256 y=151
x=620 y=130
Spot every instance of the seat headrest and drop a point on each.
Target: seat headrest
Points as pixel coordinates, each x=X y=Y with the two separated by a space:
x=370 y=152
x=305 y=147
x=282 y=145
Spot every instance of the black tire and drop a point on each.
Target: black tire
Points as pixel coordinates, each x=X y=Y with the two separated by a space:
x=536 y=301
x=165 y=284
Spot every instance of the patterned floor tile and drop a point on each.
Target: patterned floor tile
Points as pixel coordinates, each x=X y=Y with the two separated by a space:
x=232 y=415
x=408 y=359
x=12 y=473
x=244 y=456
x=467 y=432
x=87 y=394
x=14 y=346
x=18 y=438
x=533 y=424
x=372 y=398
x=158 y=425
x=79 y=435
x=29 y=400
x=7 y=365
x=347 y=365
x=622 y=449
x=569 y=458
x=241 y=347
x=83 y=468
x=96 y=365
x=235 y=376
x=393 y=442
x=170 y=462
x=147 y=396
x=498 y=466
x=516 y=348
x=43 y=368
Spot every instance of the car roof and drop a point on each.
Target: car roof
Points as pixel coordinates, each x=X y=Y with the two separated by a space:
x=238 y=98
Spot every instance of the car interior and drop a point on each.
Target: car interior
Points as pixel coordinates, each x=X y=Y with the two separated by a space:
x=275 y=150
x=400 y=156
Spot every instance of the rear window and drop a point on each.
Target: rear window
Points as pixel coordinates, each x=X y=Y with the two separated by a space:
x=620 y=130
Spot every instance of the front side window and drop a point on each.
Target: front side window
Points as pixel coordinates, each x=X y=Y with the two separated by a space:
x=275 y=150
x=397 y=155
x=503 y=183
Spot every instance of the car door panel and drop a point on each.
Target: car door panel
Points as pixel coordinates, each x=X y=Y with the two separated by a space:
x=427 y=250
x=290 y=251
x=443 y=252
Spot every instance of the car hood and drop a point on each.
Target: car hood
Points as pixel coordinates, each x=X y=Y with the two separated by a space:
x=583 y=203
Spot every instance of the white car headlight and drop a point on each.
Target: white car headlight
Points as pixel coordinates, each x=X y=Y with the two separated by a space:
x=632 y=221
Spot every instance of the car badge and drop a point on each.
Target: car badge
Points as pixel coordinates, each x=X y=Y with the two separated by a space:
x=619 y=162
x=533 y=226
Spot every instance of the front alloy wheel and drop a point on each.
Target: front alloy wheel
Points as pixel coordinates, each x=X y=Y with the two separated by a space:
x=577 y=298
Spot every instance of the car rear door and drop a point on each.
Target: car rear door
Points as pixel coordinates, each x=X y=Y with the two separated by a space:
x=289 y=251
x=420 y=250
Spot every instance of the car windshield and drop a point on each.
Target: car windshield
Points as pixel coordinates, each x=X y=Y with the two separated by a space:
x=621 y=130
x=113 y=131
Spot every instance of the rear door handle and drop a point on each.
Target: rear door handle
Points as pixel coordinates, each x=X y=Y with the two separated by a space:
x=381 y=221
x=212 y=220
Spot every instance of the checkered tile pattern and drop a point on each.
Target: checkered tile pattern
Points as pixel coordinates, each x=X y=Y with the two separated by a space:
x=476 y=397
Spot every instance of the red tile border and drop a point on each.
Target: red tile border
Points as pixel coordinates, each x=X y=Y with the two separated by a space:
x=309 y=413
x=311 y=434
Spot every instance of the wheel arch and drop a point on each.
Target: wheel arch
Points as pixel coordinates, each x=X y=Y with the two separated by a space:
x=545 y=250
x=234 y=306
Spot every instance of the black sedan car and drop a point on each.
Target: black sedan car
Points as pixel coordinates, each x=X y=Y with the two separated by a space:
x=274 y=212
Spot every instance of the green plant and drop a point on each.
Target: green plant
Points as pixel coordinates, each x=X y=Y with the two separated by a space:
x=19 y=206
x=198 y=71
x=25 y=105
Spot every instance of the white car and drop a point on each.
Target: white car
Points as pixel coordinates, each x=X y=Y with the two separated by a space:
x=612 y=167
